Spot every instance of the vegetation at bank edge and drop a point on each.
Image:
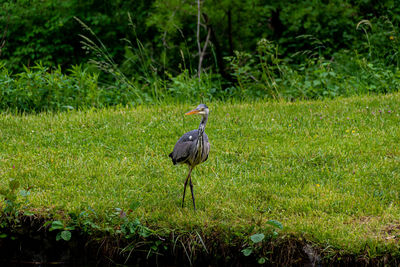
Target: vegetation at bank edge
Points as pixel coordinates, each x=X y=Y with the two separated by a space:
x=303 y=128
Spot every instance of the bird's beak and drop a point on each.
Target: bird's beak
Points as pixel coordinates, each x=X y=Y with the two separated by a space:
x=194 y=111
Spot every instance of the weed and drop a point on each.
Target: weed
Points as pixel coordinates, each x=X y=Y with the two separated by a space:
x=64 y=231
x=14 y=207
x=255 y=244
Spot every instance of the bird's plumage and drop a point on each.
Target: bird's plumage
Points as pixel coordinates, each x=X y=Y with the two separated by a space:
x=186 y=147
x=192 y=148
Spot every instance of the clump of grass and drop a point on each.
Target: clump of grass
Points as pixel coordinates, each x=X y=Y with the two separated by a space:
x=326 y=170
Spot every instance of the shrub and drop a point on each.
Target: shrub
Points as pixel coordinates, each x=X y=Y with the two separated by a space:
x=265 y=75
x=39 y=89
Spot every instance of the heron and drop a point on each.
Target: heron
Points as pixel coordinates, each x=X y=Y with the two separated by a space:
x=192 y=148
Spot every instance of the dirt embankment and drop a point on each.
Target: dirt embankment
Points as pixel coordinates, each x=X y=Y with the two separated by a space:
x=32 y=244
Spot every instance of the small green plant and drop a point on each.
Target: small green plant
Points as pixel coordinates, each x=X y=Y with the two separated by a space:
x=130 y=228
x=134 y=231
x=255 y=244
x=82 y=222
x=10 y=197
x=64 y=230
x=126 y=227
x=259 y=75
x=14 y=206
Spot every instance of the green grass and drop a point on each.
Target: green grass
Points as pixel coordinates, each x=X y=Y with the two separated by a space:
x=329 y=171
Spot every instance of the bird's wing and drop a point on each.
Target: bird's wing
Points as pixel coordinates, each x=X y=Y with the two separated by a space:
x=189 y=136
x=183 y=147
x=181 y=152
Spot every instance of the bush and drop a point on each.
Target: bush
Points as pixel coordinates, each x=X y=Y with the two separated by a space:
x=266 y=75
x=39 y=89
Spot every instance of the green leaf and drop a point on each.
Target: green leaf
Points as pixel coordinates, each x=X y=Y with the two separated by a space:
x=56 y=225
x=70 y=228
x=256 y=238
x=66 y=235
x=58 y=237
x=28 y=213
x=247 y=251
x=261 y=260
x=144 y=231
x=275 y=224
x=47 y=223
x=3 y=235
x=316 y=82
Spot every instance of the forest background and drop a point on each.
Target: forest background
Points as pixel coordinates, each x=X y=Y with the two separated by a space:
x=58 y=55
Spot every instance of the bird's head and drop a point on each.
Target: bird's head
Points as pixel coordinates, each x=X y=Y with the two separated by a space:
x=200 y=110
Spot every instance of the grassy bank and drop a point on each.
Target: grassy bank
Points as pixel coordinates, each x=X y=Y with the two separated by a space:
x=328 y=171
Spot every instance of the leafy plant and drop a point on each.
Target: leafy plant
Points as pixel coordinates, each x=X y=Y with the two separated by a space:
x=64 y=231
x=14 y=206
x=256 y=241
x=41 y=89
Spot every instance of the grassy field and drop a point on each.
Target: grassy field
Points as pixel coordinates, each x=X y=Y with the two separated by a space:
x=329 y=171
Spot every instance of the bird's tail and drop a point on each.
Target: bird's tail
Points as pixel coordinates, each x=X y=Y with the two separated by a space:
x=173 y=160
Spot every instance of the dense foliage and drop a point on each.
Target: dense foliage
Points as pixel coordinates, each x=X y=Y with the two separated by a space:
x=148 y=51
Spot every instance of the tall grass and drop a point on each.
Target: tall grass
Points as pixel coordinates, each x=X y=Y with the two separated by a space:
x=149 y=79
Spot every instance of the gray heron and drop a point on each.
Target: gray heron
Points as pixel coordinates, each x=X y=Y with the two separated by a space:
x=192 y=148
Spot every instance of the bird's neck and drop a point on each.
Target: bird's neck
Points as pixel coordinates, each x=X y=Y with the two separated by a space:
x=202 y=126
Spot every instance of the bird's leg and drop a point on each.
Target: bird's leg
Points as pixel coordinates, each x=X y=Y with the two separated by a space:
x=191 y=189
x=184 y=188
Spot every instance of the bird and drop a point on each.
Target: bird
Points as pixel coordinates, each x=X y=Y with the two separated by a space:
x=192 y=148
